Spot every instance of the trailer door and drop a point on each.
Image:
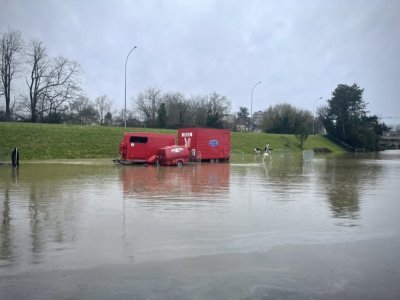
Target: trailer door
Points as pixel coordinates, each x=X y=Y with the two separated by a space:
x=138 y=147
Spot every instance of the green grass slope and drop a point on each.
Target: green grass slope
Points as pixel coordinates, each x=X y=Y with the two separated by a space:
x=246 y=142
x=47 y=141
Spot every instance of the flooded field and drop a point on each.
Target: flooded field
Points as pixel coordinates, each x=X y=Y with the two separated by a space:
x=282 y=229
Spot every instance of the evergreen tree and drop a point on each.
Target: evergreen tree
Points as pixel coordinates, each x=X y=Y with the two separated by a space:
x=162 y=115
x=346 y=120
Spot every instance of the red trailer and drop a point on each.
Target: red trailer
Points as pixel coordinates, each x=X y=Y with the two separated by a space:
x=141 y=147
x=173 y=155
x=205 y=143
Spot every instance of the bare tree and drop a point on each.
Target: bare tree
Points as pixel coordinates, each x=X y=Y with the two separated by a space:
x=103 y=106
x=52 y=82
x=76 y=107
x=82 y=111
x=177 y=108
x=10 y=48
x=198 y=110
x=63 y=85
x=147 y=104
x=217 y=107
x=88 y=115
x=39 y=62
x=173 y=110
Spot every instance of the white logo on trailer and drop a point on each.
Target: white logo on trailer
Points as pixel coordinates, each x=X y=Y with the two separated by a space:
x=177 y=150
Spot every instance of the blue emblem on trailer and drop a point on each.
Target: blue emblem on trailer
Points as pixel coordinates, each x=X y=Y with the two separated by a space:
x=213 y=143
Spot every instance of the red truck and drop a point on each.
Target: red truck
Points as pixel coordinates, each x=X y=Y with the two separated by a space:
x=172 y=156
x=141 y=147
x=206 y=144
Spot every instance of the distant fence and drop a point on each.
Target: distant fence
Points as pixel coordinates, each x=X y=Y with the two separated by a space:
x=5 y=155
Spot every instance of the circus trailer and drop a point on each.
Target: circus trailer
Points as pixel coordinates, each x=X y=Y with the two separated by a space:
x=141 y=147
x=206 y=144
x=172 y=156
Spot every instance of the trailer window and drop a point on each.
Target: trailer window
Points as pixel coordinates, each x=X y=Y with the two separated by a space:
x=139 y=139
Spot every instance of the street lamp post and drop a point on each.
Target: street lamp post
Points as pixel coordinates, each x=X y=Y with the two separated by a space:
x=313 y=114
x=251 y=106
x=126 y=62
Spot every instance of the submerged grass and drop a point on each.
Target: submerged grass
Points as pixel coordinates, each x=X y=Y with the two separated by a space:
x=48 y=141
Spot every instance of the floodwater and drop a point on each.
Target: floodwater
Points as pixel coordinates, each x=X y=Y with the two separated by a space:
x=282 y=229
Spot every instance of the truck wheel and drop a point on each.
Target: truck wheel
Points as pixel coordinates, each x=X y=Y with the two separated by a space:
x=179 y=164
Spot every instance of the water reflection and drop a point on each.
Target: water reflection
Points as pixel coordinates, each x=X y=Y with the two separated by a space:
x=284 y=177
x=40 y=207
x=346 y=180
x=56 y=215
x=289 y=169
x=339 y=181
x=5 y=229
x=192 y=182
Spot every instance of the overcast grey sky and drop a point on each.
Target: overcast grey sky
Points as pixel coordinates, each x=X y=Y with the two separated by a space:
x=300 y=50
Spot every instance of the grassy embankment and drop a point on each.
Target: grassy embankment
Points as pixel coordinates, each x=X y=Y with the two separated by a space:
x=45 y=141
